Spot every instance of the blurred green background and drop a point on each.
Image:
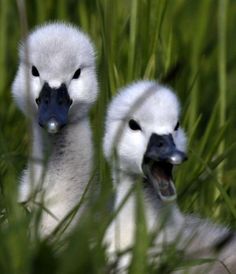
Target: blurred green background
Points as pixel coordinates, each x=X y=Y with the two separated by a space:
x=186 y=44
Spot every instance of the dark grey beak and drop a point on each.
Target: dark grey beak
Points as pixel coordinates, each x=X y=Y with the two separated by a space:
x=161 y=148
x=53 y=107
x=160 y=157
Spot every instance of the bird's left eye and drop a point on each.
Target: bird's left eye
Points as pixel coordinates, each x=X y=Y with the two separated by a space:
x=134 y=125
x=77 y=74
x=34 y=71
x=177 y=126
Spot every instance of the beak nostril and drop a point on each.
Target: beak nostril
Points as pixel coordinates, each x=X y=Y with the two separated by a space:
x=60 y=102
x=46 y=101
x=160 y=144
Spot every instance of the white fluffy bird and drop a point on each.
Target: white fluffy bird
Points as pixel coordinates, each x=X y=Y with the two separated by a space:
x=143 y=133
x=55 y=86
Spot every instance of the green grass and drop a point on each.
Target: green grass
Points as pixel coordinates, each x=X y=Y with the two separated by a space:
x=187 y=44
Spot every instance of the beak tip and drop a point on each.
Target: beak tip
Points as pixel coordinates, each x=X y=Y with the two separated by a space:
x=52 y=126
x=177 y=158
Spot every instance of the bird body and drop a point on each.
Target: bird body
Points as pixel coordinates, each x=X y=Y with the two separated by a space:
x=59 y=184
x=55 y=86
x=144 y=138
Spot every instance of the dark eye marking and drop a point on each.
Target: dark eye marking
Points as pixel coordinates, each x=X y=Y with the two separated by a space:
x=77 y=74
x=177 y=126
x=38 y=101
x=134 y=125
x=34 y=71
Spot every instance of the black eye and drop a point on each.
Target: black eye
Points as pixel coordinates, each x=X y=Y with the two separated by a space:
x=177 y=126
x=76 y=74
x=34 y=71
x=134 y=125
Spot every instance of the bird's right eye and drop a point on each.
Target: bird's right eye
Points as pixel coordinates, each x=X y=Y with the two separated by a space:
x=134 y=125
x=77 y=74
x=34 y=71
x=176 y=126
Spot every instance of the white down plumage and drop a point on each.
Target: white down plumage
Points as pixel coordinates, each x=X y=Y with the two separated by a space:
x=55 y=86
x=144 y=141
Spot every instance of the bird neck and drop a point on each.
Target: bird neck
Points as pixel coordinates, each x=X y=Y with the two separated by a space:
x=155 y=209
x=64 y=149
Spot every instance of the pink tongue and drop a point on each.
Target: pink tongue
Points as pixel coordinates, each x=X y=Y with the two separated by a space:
x=159 y=173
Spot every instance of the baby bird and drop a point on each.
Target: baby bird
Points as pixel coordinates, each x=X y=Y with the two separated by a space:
x=55 y=87
x=143 y=133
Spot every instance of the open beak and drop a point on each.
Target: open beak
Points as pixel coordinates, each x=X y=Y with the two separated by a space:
x=158 y=161
x=53 y=107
